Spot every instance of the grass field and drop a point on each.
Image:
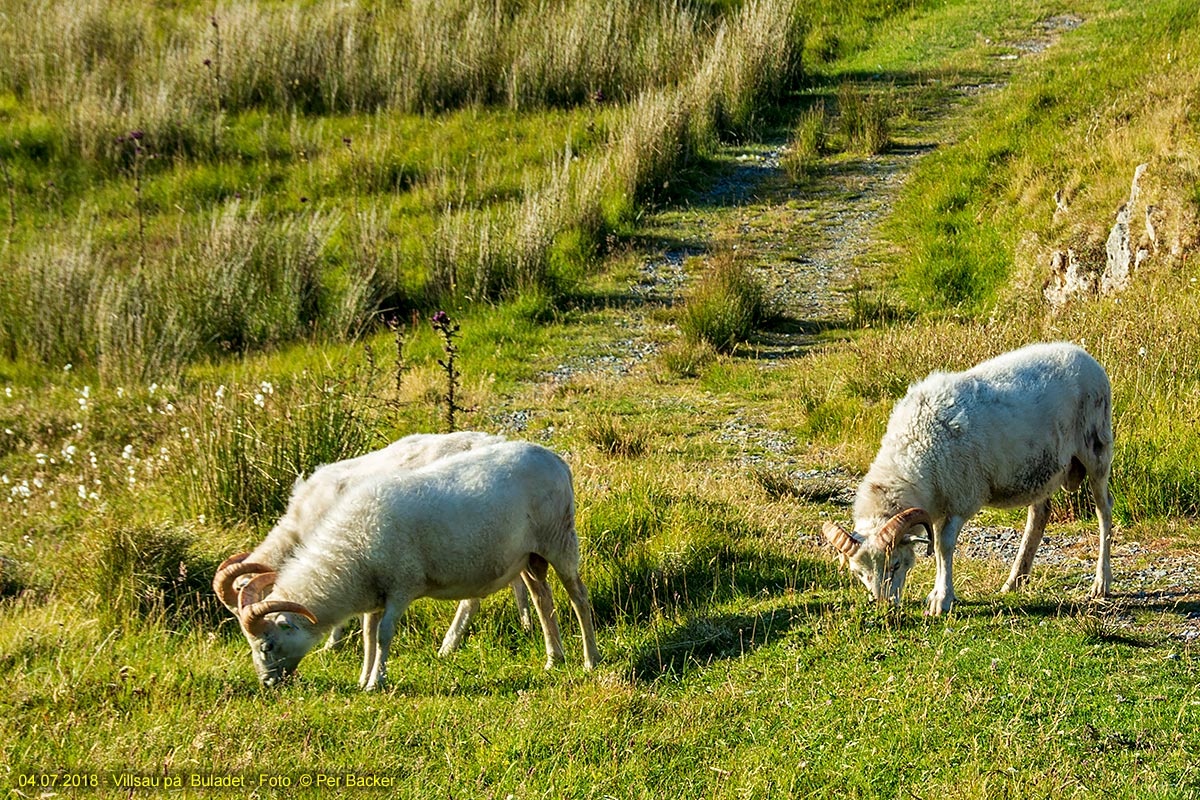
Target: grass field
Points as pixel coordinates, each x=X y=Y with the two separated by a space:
x=192 y=317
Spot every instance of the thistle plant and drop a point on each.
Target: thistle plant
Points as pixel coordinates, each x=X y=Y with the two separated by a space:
x=449 y=330
x=12 y=198
x=140 y=155
x=213 y=65
x=397 y=330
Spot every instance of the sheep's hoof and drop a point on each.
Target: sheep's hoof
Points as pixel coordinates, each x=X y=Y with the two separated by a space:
x=1012 y=584
x=939 y=605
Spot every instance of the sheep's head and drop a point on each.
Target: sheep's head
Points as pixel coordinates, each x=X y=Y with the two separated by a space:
x=279 y=632
x=882 y=559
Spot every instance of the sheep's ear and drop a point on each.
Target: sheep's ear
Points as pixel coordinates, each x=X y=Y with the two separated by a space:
x=919 y=534
x=898 y=530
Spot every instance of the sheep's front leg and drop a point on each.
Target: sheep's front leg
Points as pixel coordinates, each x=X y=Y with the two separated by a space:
x=387 y=631
x=458 y=628
x=942 y=597
x=370 y=646
x=337 y=637
x=1104 y=507
x=1035 y=527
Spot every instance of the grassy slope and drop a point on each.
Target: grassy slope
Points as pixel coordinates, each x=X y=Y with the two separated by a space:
x=737 y=662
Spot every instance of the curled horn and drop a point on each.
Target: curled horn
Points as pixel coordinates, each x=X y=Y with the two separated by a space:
x=230 y=570
x=846 y=543
x=894 y=530
x=252 y=608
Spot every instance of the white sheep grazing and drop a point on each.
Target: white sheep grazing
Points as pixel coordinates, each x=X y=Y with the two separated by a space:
x=462 y=527
x=1005 y=433
x=312 y=499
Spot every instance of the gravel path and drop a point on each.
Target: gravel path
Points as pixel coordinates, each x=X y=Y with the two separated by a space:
x=838 y=215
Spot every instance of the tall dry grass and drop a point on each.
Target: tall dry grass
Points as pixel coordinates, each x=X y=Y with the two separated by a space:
x=176 y=72
x=235 y=277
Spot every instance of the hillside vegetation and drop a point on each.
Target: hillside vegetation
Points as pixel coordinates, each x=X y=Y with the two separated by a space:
x=226 y=228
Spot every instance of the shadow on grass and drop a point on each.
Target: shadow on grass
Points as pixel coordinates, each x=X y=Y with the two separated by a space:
x=641 y=587
x=704 y=639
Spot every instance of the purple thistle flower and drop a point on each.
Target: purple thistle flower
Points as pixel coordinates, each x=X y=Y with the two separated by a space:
x=136 y=135
x=440 y=320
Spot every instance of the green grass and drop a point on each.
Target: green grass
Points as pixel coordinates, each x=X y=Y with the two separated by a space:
x=738 y=662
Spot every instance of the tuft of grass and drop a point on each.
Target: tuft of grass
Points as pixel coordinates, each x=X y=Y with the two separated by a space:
x=726 y=306
x=779 y=485
x=149 y=575
x=807 y=143
x=247 y=446
x=615 y=438
x=685 y=358
x=863 y=118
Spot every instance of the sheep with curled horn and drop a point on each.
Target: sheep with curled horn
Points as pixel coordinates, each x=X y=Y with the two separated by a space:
x=1006 y=433
x=314 y=497
x=462 y=527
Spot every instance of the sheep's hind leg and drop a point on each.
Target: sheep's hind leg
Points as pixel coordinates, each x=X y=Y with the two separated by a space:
x=458 y=628
x=535 y=579
x=942 y=597
x=1104 y=507
x=1035 y=528
x=583 y=612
